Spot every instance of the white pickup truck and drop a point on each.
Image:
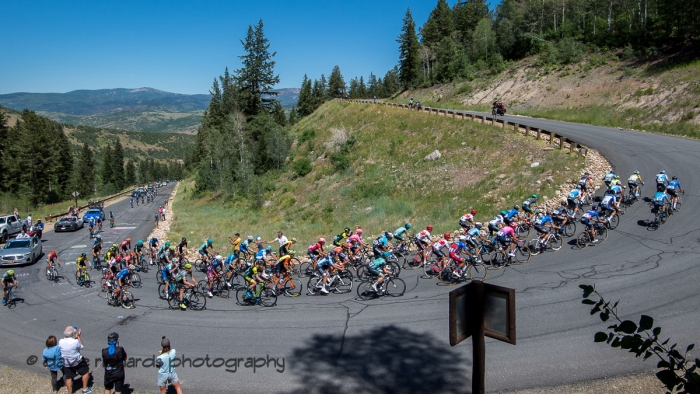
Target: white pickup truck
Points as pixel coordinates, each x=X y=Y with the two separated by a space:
x=9 y=226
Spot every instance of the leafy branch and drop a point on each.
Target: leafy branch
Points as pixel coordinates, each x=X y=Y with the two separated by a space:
x=677 y=372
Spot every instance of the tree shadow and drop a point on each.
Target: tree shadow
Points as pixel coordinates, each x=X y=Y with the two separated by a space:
x=385 y=359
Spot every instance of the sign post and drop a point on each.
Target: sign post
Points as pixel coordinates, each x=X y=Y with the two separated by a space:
x=75 y=194
x=477 y=310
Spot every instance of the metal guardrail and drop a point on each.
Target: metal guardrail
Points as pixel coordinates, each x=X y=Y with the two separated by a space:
x=550 y=137
x=52 y=217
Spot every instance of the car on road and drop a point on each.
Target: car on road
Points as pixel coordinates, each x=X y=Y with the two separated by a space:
x=94 y=213
x=20 y=251
x=11 y=225
x=69 y=223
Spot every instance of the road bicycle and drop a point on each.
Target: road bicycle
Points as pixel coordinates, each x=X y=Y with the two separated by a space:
x=390 y=286
x=191 y=297
x=111 y=222
x=601 y=233
x=451 y=274
x=263 y=296
x=219 y=287
x=501 y=258
x=339 y=282
x=125 y=298
x=10 y=301
x=51 y=273
x=142 y=264
x=285 y=284
x=82 y=278
x=552 y=241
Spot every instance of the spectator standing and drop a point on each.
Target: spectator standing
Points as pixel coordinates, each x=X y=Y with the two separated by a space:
x=157 y=217
x=73 y=362
x=166 y=367
x=113 y=358
x=52 y=360
x=16 y=212
x=162 y=213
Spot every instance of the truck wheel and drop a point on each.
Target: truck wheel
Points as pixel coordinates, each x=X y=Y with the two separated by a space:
x=3 y=237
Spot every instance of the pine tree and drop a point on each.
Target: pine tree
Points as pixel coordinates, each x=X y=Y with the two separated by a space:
x=4 y=130
x=130 y=173
x=467 y=15
x=278 y=114
x=438 y=26
x=306 y=104
x=118 y=165
x=292 y=120
x=319 y=93
x=336 y=83
x=84 y=176
x=257 y=76
x=409 y=52
x=106 y=174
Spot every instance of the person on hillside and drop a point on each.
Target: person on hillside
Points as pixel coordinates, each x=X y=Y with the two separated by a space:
x=157 y=216
x=113 y=357
x=52 y=360
x=16 y=213
x=73 y=362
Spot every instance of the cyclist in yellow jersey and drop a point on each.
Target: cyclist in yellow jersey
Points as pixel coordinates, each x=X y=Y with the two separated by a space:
x=253 y=276
x=81 y=264
x=633 y=182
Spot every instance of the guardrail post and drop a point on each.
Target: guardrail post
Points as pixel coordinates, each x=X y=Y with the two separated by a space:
x=561 y=143
x=572 y=146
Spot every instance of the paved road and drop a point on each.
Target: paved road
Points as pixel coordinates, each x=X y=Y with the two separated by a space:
x=338 y=344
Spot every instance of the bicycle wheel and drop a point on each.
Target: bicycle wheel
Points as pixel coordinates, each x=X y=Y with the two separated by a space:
x=343 y=284
x=86 y=279
x=395 y=268
x=135 y=280
x=311 y=288
x=583 y=239
x=485 y=255
x=291 y=287
x=295 y=266
x=522 y=254
x=203 y=286
x=365 y=291
x=127 y=300
x=413 y=262
x=221 y=288
x=679 y=203
x=306 y=269
x=477 y=271
x=555 y=242
x=161 y=291
x=431 y=269
x=159 y=277
x=362 y=273
x=602 y=234
x=49 y=274
x=241 y=298
x=497 y=259
x=613 y=222
x=523 y=230
x=395 y=287
x=534 y=246
x=197 y=301
x=268 y=298
x=448 y=277
x=200 y=265
x=570 y=229
x=236 y=280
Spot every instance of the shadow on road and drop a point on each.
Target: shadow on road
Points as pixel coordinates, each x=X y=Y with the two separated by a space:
x=386 y=359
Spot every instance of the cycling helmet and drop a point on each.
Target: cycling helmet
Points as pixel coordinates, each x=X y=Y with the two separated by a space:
x=636 y=171
x=346 y=230
x=514 y=225
x=504 y=213
x=115 y=246
x=172 y=248
x=98 y=236
x=473 y=212
x=563 y=203
x=292 y=253
x=294 y=240
x=127 y=258
x=389 y=235
x=268 y=249
x=188 y=266
x=118 y=259
x=167 y=244
x=38 y=220
x=674 y=178
x=429 y=228
x=139 y=242
x=113 y=337
x=258 y=239
x=211 y=241
x=184 y=239
x=534 y=196
x=612 y=172
x=462 y=238
x=548 y=213
x=11 y=272
x=446 y=235
x=83 y=255
x=322 y=240
x=663 y=171
x=259 y=262
x=176 y=260
x=358 y=231
x=218 y=257
x=579 y=187
x=516 y=207
x=478 y=225
x=407 y=226
x=250 y=238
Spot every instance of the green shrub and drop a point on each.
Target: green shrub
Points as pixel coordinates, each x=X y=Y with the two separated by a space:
x=627 y=53
x=570 y=51
x=464 y=88
x=307 y=135
x=302 y=167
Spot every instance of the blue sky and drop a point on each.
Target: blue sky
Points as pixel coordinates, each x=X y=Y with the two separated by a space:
x=181 y=46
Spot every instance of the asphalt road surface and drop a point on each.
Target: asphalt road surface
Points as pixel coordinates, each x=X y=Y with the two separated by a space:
x=338 y=344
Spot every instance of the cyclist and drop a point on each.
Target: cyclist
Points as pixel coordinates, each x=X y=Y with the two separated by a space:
x=472 y=236
x=96 y=249
x=541 y=225
x=633 y=182
x=608 y=178
x=125 y=245
x=264 y=255
x=81 y=263
x=212 y=272
x=169 y=272
x=559 y=216
x=398 y=235
x=512 y=215
x=661 y=180
x=281 y=240
x=454 y=250
x=585 y=182
x=381 y=244
x=123 y=278
x=99 y=223
x=316 y=250
x=437 y=246
x=380 y=269
x=672 y=189
x=229 y=263
x=423 y=238
x=204 y=249
x=51 y=257
x=528 y=205
x=467 y=220
x=131 y=200
x=589 y=219
x=496 y=223
x=164 y=253
x=574 y=199
x=284 y=248
x=91 y=226
x=324 y=266
x=661 y=200
x=338 y=239
x=153 y=243
x=183 y=283
x=616 y=190
x=253 y=276
x=243 y=248
x=9 y=280
x=609 y=204
x=284 y=265
x=111 y=218
x=506 y=236
x=139 y=249
x=182 y=247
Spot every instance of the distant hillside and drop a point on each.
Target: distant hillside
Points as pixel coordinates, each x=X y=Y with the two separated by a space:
x=142 y=109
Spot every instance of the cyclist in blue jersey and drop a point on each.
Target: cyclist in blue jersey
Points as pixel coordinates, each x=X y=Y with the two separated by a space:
x=168 y=272
x=543 y=225
x=399 y=235
x=204 y=249
x=661 y=200
x=661 y=180
x=574 y=199
x=589 y=219
x=608 y=178
x=673 y=188
x=380 y=268
x=381 y=244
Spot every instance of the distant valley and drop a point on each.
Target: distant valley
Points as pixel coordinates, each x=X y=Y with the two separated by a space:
x=142 y=109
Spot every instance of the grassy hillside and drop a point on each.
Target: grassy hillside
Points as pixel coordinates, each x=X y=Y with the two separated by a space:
x=385 y=180
x=145 y=121
x=660 y=95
